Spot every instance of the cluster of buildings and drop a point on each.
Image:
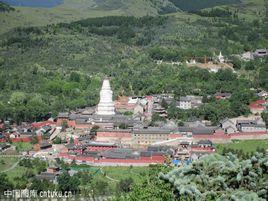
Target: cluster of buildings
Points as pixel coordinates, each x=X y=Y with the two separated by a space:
x=245 y=124
x=111 y=154
x=119 y=133
x=259 y=53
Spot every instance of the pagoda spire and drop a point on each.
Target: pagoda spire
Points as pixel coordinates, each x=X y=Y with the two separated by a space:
x=106 y=104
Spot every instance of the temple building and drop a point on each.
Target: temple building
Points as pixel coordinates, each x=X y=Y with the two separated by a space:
x=103 y=115
x=106 y=104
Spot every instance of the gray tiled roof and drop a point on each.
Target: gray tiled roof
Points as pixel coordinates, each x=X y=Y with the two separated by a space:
x=63 y=115
x=204 y=130
x=206 y=142
x=94 y=143
x=47 y=176
x=119 y=154
x=185 y=98
x=185 y=129
x=152 y=131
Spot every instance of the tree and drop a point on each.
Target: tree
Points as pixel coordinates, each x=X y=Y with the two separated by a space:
x=71 y=140
x=57 y=140
x=124 y=185
x=5 y=184
x=123 y=126
x=263 y=77
x=150 y=187
x=265 y=117
x=225 y=75
x=93 y=130
x=64 y=125
x=39 y=185
x=34 y=140
x=164 y=104
x=220 y=177
x=75 y=77
x=68 y=183
x=100 y=187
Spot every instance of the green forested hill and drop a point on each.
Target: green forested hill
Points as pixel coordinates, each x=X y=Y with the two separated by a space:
x=72 y=10
x=58 y=67
x=194 y=5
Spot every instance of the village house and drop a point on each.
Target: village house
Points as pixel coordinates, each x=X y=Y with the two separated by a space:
x=2 y=137
x=4 y=146
x=189 y=102
x=158 y=109
x=44 y=145
x=251 y=126
x=121 y=136
x=228 y=126
x=263 y=94
x=150 y=135
x=204 y=143
x=247 y=56
x=222 y=96
x=242 y=124
x=50 y=175
x=260 y=53
x=257 y=107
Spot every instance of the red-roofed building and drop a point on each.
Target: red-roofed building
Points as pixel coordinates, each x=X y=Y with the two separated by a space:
x=258 y=106
x=122 y=104
x=43 y=123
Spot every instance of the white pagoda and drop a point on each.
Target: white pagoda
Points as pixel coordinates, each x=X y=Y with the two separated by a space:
x=221 y=58
x=106 y=104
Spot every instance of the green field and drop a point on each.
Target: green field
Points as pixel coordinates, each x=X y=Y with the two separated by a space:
x=115 y=173
x=125 y=172
x=246 y=146
x=23 y=146
x=5 y=163
x=110 y=177
x=18 y=171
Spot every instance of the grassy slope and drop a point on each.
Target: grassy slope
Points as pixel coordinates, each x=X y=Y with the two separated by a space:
x=245 y=146
x=248 y=9
x=70 y=10
x=115 y=174
x=23 y=146
x=6 y=163
x=16 y=172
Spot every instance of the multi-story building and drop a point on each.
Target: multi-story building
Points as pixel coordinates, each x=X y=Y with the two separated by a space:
x=150 y=136
x=189 y=102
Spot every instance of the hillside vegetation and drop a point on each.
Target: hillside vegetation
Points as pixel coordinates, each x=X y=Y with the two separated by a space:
x=59 y=67
x=194 y=5
x=5 y=7
x=213 y=177
x=72 y=10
